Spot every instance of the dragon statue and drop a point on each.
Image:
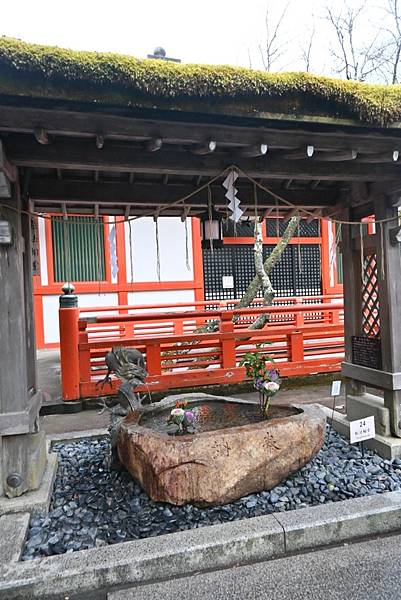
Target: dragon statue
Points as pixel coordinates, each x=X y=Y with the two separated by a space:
x=128 y=364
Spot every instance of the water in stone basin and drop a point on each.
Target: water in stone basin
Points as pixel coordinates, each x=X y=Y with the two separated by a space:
x=216 y=414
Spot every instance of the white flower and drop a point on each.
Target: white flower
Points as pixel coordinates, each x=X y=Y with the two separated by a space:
x=177 y=412
x=271 y=386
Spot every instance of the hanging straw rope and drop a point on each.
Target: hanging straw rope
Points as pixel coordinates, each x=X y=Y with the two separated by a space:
x=382 y=261
x=186 y=245
x=278 y=198
x=99 y=249
x=209 y=208
x=255 y=201
x=67 y=247
x=131 y=257
x=156 y=220
x=299 y=244
x=362 y=254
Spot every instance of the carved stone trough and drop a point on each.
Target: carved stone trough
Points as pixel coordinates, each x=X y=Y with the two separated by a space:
x=234 y=454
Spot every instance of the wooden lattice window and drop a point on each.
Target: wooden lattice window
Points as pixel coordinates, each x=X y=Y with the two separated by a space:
x=370 y=298
x=78 y=249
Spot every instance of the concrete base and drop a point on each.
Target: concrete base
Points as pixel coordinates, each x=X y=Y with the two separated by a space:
x=366 y=405
x=37 y=459
x=36 y=502
x=94 y=573
x=13 y=532
x=386 y=446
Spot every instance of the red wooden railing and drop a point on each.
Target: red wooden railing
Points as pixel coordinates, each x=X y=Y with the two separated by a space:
x=305 y=336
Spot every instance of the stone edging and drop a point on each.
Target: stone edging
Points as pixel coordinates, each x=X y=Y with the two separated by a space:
x=207 y=548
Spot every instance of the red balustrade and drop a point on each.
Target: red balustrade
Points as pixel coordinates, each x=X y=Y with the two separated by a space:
x=305 y=336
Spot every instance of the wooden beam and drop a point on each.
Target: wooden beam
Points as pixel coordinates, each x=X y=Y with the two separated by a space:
x=336 y=156
x=53 y=191
x=99 y=142
x=253 y=151
x=291 y=136
x=316 y=215
x=41 y=136
x=9 y=170
x=205 y=148
x=301 y=153
x=383 y=157
x=154 y=144
x=69 y=154
x=291 y=214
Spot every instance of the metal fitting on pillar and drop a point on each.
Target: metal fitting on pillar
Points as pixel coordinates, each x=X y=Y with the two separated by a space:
x=14 y=480
x=68 y=299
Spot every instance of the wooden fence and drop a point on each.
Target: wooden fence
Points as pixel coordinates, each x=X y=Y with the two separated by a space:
x=305 y=336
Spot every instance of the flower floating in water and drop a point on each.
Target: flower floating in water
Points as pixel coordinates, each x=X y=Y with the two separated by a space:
x=182 y=417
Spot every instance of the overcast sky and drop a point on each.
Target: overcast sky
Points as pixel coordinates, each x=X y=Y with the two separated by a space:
x=203 y=31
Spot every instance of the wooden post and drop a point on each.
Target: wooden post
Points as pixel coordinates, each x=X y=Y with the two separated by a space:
x=22 y=447
x=389 y=277
x=69 y=340
x=228 y=356
x=352 y=298
x=296 y=346
x=153 y=359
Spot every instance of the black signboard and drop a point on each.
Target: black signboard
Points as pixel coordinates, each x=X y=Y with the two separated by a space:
x=366 y=352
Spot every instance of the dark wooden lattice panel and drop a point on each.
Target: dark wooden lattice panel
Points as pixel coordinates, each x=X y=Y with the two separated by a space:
x=283 y=274
x=370 y=298
x=307 y=261
x=243 y=257
x=217 y=264
x=306 y=229
x=290 y=277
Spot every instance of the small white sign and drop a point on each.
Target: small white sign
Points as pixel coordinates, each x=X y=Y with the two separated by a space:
x=228 y=282
x=363 y=429
x=336 y=388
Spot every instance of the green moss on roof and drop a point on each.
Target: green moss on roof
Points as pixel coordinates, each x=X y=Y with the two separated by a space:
x=38 y=71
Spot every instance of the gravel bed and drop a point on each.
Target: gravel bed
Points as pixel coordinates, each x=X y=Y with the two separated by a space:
x=92 y=506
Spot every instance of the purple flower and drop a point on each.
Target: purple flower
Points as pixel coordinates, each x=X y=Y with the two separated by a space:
x=273 y=374
x=258 y=383
x=189 y=416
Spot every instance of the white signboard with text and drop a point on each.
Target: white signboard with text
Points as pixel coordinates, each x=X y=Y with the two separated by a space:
x=336 y=388
x=228 y=282
x=362 y=429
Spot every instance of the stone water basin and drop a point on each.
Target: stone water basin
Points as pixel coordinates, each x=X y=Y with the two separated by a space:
x=233 y=452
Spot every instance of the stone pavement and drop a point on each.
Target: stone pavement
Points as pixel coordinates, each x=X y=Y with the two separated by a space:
x=361 y=571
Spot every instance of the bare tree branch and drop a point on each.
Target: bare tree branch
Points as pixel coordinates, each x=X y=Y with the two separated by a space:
x=355 y=60
x=394 y=33
x=306 y=52
x=272 y=49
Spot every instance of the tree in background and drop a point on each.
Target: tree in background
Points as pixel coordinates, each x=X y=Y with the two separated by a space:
x=354 y=58
x=356 y=40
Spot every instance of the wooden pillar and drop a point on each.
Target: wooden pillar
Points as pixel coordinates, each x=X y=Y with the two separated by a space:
x=22 y=447
x=352 y=282
x=389 y=277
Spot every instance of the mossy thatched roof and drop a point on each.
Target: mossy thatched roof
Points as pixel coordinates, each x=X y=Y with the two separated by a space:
x=46 y=72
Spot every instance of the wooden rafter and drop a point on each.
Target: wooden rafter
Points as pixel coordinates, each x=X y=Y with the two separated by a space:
x=80 y=124
x=80 y=154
